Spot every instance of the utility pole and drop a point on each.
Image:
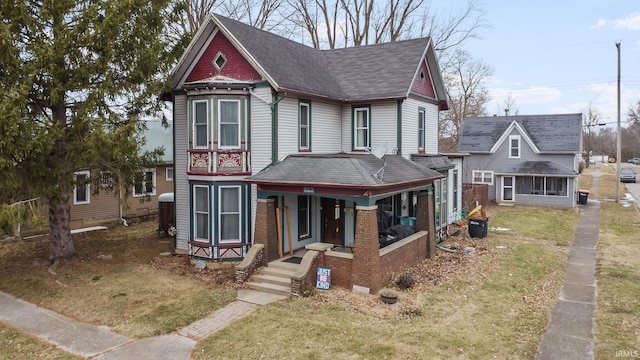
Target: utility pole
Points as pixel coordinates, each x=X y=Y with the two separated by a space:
x=618 y=141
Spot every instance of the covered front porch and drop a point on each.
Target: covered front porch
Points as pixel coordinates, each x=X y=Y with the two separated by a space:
x=364 y=218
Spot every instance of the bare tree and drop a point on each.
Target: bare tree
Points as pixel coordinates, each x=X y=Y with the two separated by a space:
x=509 y=106
x=465 y=83
x=311 y=14
x=590 y=119
x=449 y=32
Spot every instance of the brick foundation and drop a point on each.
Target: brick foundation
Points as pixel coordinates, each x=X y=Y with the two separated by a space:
x=366 y=250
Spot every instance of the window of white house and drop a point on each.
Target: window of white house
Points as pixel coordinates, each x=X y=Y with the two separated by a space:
x=229 y=215
x=514 y=146
x=304 y=217
x=146 y=185
x=482 y=177
x=421 y=120
x=201 y=212
x=200 y=120
x=362 y=129
x=169 y=174
x=82 y=188
x=229 y=124
x=305 y=122
x=454 y=190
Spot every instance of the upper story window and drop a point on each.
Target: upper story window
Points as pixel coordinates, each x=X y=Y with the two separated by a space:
x=82 y=189
x=229 y=124
x=514 y=146
x=219 y=61
x=146 y=185
x=200 y=114
x=482 y=177
x=305 y=126
x=421 y=135
x=362 y=128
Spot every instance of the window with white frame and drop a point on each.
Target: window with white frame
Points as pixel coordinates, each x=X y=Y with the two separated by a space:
x=200 y=121
x=145 y=184
x=305 y=126
x=106 y=180
x=201 y=213
x=482 y=177
x=169 y=174
x=229 y=124
x=304 y=217
x=362 y=129
x=421 y=121
x=514 y=146
x=82 y=188
x=229 y=214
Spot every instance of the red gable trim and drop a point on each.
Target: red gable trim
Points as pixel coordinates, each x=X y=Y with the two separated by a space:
x=423 y=87
x=236 y=67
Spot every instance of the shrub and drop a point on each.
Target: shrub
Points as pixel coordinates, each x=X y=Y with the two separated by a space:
x=405 y=281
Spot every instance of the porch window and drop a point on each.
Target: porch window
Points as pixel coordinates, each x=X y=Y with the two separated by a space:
x=421 y=120
x=229 y=217
x=200 y=114
x=304 y=217
x=362 y=129
x=201 y=212
x=514 y=146
x=454 y=190
x=145 y=183
x=82 y=189
x=229 y=120
x=540 y=185
x=305 y=126
x=440 y=201
x=482 y=177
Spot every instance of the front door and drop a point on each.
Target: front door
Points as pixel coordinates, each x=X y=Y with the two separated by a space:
x=508 y=183
x=332 y=220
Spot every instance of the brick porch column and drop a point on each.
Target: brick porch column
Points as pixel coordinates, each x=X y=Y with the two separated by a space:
x=266 y=232
x=425 y=221
x=366 y=249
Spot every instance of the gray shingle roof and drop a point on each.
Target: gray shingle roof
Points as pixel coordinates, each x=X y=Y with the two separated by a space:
x=435 y=162
x=347 y=169
x=351 y=74
x=550 y=133
x=539 y=168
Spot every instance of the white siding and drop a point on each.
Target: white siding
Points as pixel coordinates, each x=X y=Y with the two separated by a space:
x=326 y=127
x=181 y=196
x=431 y=129
x=384 y=125
x=260 y=141
x=410 y=127
x=346 y=128
x=287 y=126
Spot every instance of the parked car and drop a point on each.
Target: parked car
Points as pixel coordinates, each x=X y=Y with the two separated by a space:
x=627 y=175
x=634 y=161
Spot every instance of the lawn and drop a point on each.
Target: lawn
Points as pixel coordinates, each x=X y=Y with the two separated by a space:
x=493 y=304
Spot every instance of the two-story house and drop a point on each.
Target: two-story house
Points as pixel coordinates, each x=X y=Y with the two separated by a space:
x=280 y=147
x=525 y=159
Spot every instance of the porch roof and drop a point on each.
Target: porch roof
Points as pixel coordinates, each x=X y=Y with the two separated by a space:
x=433 y=161
x=357 y=174
x=542 y=168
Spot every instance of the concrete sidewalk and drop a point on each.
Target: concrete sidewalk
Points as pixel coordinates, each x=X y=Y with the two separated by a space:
x=570 y=332
x=100 y=343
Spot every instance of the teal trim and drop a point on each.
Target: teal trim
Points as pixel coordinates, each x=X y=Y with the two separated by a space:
x=274 y=130
x=175 y=177
x=247 y=108
x=399 y=130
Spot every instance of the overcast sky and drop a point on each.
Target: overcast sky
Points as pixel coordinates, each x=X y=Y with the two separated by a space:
x=557 y=56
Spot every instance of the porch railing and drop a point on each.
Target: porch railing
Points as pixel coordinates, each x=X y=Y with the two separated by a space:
x=218 y=162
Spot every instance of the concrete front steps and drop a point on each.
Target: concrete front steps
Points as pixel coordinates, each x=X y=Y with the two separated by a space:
x=275 y=278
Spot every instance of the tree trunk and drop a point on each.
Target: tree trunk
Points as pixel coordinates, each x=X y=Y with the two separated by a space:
x=61 y=244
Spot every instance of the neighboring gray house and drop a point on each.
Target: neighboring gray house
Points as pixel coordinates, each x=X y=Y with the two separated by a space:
x=528 y=160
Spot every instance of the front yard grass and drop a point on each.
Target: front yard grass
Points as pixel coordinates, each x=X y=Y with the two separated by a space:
x=618 y=278
x=15 y=345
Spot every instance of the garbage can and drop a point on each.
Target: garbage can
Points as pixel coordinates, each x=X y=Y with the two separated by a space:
x=166 y=212
x=478 y=227
x=583 y=196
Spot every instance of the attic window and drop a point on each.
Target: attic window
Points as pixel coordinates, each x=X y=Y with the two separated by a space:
x=422 y=76
x=219 y=61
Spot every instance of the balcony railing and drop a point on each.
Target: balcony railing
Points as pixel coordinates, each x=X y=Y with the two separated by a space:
x=218 y=162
